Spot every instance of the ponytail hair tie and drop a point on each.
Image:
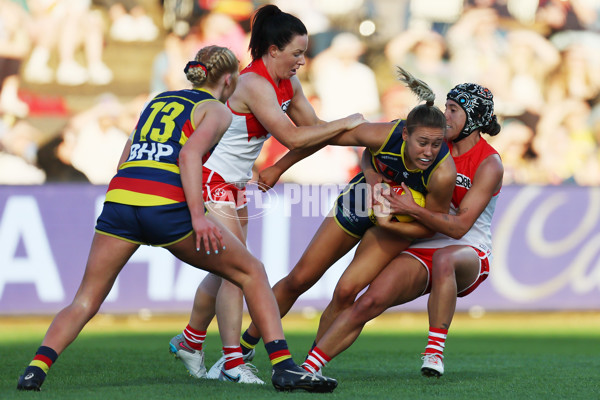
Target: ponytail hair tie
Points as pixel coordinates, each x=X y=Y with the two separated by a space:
x=195 y=64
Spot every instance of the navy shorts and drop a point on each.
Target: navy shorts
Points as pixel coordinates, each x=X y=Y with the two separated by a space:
x=351 y=212
x=152 y=225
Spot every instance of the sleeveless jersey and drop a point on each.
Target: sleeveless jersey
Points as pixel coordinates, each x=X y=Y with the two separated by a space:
x=480 y=234
x=150 y=176
x=238 y=149
x=389 y=161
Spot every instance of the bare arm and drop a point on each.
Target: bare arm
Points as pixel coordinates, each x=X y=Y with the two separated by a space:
x=487 y=181
x=437 y=201
x=370 y=135
x=212 y=120
x=269 y=176
x=254 y=94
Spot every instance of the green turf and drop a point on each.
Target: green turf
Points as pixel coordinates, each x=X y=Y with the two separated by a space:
x=378 y=366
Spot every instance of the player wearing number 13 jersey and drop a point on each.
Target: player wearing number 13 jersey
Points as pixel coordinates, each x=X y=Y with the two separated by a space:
x=150 y=177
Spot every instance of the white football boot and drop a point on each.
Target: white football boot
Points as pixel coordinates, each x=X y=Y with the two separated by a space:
x=433 y=365
x=243 y=373
x=215 y=371
x=192 y=359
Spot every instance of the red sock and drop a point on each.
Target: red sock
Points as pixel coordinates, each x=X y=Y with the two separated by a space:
x=436 y=341
x=233 y=356
x=315 y=361
x=194 y=338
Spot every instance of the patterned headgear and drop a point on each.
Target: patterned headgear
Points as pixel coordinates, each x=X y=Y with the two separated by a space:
x=477 y=102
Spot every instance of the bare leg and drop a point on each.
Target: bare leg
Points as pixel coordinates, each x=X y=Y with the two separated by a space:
x=107 y=257
x=230 y=300
x=328 y=245
x=240 y=267
x=216 y=295
x=455 y=268
x=401 y=281
x=376 y=249
x=203 y=310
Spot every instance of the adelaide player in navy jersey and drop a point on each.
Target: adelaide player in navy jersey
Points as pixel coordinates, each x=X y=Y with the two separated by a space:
x=411 y=151
x=454 y=261
x=156 y=199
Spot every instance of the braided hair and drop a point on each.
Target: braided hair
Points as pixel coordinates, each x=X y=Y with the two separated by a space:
x=210 y=63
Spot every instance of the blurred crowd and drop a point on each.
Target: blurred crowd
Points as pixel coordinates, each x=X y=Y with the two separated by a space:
x=540 y=58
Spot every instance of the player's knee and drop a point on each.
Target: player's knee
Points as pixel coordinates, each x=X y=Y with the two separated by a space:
x=444 y=265
x=86 y=307
x=255 y=268
x=344 y=295
x=366 y=308
x=297 y=283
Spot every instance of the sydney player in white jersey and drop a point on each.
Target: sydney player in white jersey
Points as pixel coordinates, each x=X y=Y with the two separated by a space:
x=268 y=101
x=453 y=262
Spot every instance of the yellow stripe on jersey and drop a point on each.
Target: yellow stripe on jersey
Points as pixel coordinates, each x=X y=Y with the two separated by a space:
x=151 y=164
x=387 y=139
x=138 y=199
x=193 y=120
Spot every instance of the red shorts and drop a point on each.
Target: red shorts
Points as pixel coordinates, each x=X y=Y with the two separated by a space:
x=425 y=256
x=216 y=190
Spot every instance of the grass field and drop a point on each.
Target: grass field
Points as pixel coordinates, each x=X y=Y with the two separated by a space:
x=497 y=356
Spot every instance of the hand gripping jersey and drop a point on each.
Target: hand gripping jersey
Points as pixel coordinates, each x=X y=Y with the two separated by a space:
x=480 y=234
x=350 y=210
x=234 y=156
x=150 y=177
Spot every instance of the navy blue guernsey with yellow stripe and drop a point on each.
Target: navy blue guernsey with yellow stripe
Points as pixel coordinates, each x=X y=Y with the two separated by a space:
x=351 y=213
x=150 y=176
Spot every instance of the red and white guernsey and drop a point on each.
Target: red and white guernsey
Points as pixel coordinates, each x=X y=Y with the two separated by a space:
x=480 y=234
x=238 y=149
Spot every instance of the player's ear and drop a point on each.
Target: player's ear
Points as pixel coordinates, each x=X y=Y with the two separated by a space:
x=228 y=80
x=273 y=50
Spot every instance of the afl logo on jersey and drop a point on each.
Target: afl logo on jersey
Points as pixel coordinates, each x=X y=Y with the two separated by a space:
x=463 y=181
x=285 y=105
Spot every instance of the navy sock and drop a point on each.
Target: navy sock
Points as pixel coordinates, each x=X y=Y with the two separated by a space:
x=279 y=354
x=42 y=361
x=248 y=342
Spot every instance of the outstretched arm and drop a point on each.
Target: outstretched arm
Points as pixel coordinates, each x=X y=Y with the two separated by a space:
x=269 y=176
x=301 y=129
